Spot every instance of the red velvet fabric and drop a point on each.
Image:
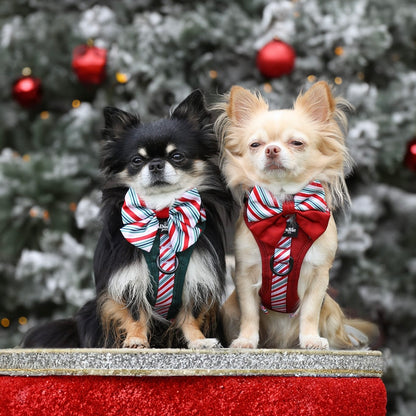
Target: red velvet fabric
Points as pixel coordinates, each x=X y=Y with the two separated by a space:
x=256 y=395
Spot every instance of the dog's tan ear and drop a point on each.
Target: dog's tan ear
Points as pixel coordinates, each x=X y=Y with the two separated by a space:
x=318 y=102
x=242 y=105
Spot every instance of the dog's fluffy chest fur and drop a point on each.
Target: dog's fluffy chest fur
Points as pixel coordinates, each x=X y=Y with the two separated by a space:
x=134 y=278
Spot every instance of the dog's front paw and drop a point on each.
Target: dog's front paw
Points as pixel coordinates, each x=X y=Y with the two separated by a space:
x=135 y=342
x=313 y=342
x=204 y=344
x=243 y=343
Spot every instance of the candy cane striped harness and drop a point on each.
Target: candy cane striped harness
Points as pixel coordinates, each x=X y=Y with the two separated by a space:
x=166 y=239
x=284 y=233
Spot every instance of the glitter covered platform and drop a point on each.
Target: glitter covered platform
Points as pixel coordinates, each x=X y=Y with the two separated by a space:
x=171 y=362
x=183 y=382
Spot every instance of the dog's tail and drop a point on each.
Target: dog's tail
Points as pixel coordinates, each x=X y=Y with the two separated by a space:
x=82 y=331
x=343 y=333
x=361 y=333
x=62 y=333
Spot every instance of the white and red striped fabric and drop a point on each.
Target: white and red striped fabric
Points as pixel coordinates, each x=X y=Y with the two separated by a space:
x=140 y=228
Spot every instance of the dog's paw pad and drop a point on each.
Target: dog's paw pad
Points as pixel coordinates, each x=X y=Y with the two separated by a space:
x=313 y=342
x=243 y=343
x=204 y=343
x=135 y=342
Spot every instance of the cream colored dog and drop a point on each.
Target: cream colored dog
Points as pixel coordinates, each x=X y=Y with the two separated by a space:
x=278 y=154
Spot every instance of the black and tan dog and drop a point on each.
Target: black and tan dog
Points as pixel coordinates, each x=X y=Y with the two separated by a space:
x=159 y=264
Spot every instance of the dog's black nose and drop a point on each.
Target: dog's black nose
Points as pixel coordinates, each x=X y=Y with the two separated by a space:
x=156 y=165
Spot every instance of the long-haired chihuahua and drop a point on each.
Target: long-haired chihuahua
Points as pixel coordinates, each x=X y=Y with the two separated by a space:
x=159 y=265
x=287 y=168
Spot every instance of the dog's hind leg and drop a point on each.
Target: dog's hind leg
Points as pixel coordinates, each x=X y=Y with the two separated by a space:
x=230 y=315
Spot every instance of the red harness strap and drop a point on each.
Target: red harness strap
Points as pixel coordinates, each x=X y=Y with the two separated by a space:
x=269 y=231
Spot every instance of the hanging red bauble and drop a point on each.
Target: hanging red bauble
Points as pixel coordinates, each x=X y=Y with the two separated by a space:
x=410 y=157
x=275 y=59
x=27 y=91
x=88 y=63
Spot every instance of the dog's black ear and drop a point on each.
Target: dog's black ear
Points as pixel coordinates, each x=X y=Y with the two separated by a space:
x=193 y=108
x=116 y=121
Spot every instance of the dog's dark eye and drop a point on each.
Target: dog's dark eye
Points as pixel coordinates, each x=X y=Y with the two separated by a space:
x=136 y=160
x=177 y=157
x=296 y=143
x=254 y=145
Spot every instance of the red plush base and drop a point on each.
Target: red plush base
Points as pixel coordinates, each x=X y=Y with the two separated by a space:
x=211 y=395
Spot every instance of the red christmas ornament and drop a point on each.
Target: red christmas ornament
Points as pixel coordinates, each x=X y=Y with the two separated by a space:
x=88 y=63
x=410 y=157
x=275 y=59
x=27 y=91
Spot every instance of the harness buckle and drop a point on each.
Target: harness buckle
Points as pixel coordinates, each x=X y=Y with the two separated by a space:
x=286 y=272
x=161 y=269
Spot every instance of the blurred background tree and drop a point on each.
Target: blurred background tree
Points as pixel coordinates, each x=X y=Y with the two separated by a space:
x=63 y=62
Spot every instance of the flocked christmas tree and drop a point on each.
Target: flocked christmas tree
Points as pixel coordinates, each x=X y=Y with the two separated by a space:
x=153 y=54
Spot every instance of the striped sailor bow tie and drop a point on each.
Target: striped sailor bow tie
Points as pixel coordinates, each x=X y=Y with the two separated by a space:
x=307 y=210
x=179 y=222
